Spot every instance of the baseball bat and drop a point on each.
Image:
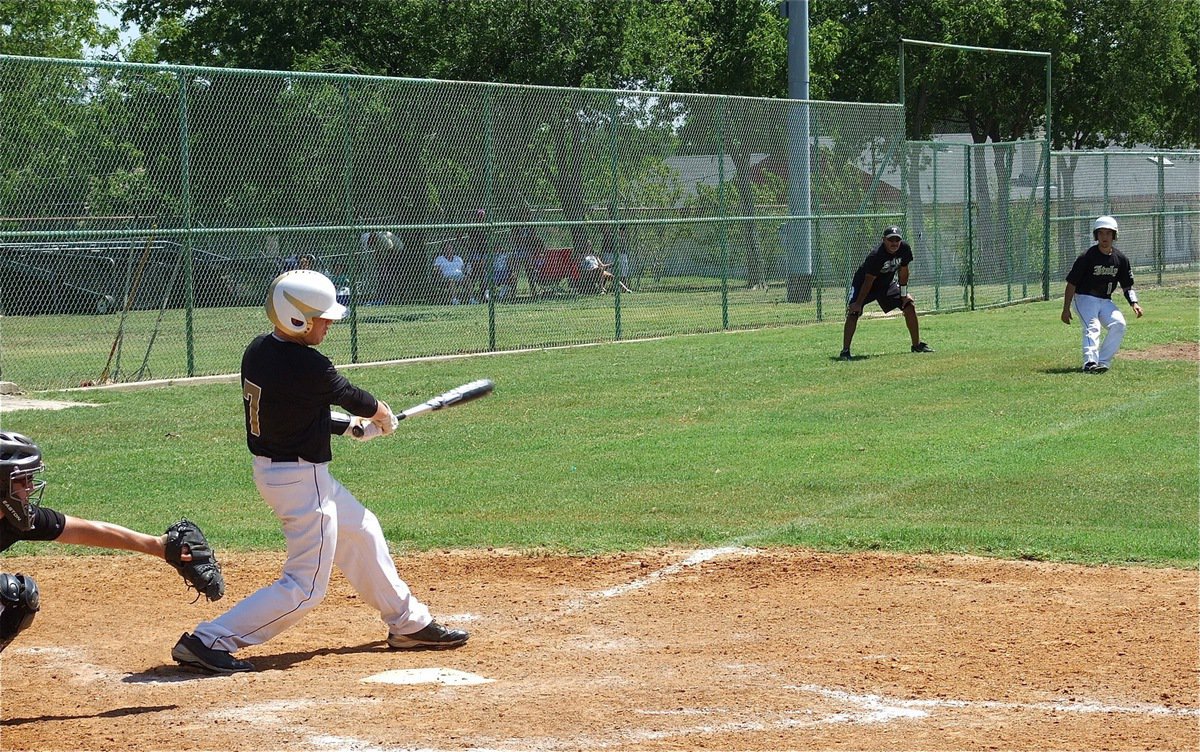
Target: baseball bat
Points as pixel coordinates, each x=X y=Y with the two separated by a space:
x=459 y=395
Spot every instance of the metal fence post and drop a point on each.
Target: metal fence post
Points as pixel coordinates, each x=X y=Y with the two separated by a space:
x=185 y=195
x=614 y=231
x=722 y=214
x=1107 y=198
x=1160 y=222
x=490 y=270
x=1046 y=191
x=937 y=255
x=348 y=213
x=970 y=288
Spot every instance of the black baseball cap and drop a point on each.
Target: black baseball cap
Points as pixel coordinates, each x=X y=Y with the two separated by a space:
x=892 y=231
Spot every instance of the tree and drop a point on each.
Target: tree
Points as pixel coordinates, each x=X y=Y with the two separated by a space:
x=51 y=28
x=45 y=103
x=743 y=51
x=1125 y=71
x=1130 y=82
x=1122 y=74
x=623 y=44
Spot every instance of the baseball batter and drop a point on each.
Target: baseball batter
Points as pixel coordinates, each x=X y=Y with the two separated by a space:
x=288 y=388
x=23 y=518
x=1090 y=285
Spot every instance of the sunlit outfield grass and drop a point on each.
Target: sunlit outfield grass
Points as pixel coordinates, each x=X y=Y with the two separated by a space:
x=65 y=351
x=994 y=445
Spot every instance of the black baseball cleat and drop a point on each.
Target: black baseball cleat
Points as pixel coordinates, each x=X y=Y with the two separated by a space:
x=921 y=347
x=433 y=636
x=844 y=355
x=1089 y=367
x=189 y=651
x=1100 y=368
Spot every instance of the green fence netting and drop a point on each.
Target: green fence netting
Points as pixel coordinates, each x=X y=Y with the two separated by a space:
x=144 y=209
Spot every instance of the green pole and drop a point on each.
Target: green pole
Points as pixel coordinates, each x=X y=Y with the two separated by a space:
x=1009 y=261
x=347 y=169
x=1046 y=190
x=1107 y=199
x=818 y=256
x=491 y=252
x=937 y=245
x=1160 y=222
x=904 y=149
x=723 y=232
x=185 y=195
x=970 y=290
x=615 y=230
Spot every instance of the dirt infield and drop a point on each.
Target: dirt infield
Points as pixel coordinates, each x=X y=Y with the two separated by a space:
x=729 y=649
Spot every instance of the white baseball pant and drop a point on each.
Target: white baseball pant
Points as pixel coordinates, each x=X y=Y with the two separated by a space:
x=324 y=525
x=1095 y=313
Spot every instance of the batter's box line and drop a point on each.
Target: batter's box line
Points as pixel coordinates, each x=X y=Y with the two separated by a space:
x=694 y=559
x=881 y=708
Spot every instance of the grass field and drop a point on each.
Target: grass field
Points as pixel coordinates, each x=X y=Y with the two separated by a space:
x=64 y=351
x=994 y=445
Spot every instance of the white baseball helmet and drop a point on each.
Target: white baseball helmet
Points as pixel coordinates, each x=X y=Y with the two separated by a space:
x=297 y=297
x=1106 y=222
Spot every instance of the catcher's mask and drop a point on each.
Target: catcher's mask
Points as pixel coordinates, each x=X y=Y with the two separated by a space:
x=20 y=459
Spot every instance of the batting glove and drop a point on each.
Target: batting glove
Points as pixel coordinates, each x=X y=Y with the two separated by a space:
x=388 y=422
x=363 y=429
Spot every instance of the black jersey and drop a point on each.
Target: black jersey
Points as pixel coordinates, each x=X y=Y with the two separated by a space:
x=287 y=390
x=48 y=524
x=882 y=265
x=1098 y=274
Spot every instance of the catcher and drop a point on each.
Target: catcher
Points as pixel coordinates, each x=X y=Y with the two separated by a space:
x=22 y=517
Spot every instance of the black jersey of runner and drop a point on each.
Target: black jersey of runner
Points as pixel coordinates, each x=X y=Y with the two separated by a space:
x=287 y=389
x=1098 y=274
x=883 y=266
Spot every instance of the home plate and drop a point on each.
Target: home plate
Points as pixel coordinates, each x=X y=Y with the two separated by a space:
x=427 y=676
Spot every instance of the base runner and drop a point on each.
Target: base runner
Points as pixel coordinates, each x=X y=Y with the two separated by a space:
x=1090 y=284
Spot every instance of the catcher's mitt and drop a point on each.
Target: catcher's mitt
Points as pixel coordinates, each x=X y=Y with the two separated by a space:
x=203 y=572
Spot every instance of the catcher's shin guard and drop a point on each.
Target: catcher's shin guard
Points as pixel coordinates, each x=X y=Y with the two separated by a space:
x=19 y=602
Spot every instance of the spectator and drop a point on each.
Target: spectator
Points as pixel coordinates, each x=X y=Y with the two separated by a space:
x=476 y=257
x=593 y=273
x=528 y=253
x=504 y=277
x=616 y=253
x=451 y=270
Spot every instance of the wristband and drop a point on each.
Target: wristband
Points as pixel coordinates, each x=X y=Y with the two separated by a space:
x=903 y=291
x=1131 y=296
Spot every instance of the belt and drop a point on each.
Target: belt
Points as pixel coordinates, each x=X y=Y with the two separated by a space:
x=284 y=459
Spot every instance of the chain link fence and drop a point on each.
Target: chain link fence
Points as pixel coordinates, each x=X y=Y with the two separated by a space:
x=977 y=212
x=144 y=209
x=1154 y=196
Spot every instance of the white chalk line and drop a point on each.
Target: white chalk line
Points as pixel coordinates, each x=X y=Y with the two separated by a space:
x=855 y=709
x=863 y=708
x=885 y=706
x=695 y=558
